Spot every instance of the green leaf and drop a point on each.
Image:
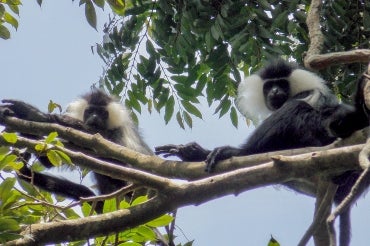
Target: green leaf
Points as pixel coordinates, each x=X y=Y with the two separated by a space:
x=65 y=158
x=11 y=20
x=273 y=242
x=169 y=108
x=179 y=120
x=52 y=106
x=99 y=3
x=224 y=106
x=110 y=205
x=51 y=137
x=4 y=32
x=7 y=224
x=14 y=7
x=40 y=147
x=90 y=14
x=234 y=117
x=6 y=187
x=146 y=232
x=2 y=10
x=54 y=157
x=188 y=119
x=118 y=6
x=10 y=137
x=139 y=200
x=161 y=221
x=215 y=32
x=191 y=109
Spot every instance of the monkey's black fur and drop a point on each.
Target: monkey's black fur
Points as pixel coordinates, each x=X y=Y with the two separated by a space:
x=95 y=112
x=302 y=112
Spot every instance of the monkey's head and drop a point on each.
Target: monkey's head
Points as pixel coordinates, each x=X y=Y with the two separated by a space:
x=266 y=91
x=98 y=111
x=105 y=115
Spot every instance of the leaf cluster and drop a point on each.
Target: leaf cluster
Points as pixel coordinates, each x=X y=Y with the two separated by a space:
x=346 y=27
x=24 y=204
x=7 y=10
x=167 y=55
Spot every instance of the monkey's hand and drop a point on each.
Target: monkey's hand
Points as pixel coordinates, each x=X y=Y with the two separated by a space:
x=188 y=152
x=219 y=154
x=23 y=111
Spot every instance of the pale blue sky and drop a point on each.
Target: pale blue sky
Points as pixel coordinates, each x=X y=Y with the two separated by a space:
x=49 y=57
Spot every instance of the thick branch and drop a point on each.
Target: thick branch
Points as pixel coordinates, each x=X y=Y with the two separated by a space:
x=367 y=89
x=314 y=31
x=171 y=169
x=197 y=192
x=313 y=59
x=99 y=166
x=318 y=62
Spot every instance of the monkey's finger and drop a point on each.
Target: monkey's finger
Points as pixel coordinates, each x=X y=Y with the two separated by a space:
x=213 y=158
x=167 y=152
x=166 y=147
x=6 y=111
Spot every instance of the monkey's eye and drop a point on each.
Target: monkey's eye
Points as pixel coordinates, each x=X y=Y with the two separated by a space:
x=104 y=114
x=97 y=111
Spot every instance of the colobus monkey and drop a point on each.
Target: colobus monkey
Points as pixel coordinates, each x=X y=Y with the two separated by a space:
x=297 y=110
x=95 y=112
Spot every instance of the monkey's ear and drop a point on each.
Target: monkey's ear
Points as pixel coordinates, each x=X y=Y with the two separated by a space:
x=250 y=100
x=76 y=109
x=24 y=111
x=303 y=80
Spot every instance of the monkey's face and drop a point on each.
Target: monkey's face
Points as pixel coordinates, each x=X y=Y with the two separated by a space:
x=96 y=117
x=276 y=93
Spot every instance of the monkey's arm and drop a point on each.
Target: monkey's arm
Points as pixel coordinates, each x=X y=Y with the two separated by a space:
x=346 y=120
x=188 y=152
x=23 y=111
x=278 y=132
x=55 y=184
x=26 y=111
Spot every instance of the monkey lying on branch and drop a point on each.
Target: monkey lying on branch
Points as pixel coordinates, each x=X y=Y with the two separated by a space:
x=95 y=112
x=297 y=110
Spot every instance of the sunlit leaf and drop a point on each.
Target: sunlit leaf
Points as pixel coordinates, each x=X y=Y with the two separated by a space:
x=54 y=157
x=51 y=137
x=10 y=137
x=273 y=242
x=161 y=221
x=52 y=106
x=11 y=20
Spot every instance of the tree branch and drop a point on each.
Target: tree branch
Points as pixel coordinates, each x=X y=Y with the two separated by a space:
x=314 y=31
x=171 y=169
x=239 y=174
x=318 y=62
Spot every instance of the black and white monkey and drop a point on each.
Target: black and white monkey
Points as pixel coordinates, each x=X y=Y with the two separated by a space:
x=95 y=112
x=296 y=109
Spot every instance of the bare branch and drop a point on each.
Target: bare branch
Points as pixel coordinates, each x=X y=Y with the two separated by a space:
x=323 y=207
x=366 y=89
x=318 y=62
x=314 y=59
x=357 y=189
x=314 y=31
